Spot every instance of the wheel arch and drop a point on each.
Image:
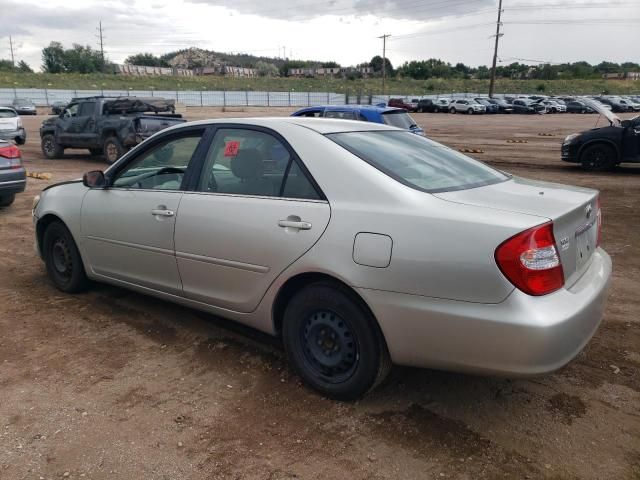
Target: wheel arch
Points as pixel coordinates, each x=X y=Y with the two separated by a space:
x=296 y=283
x=42 y=225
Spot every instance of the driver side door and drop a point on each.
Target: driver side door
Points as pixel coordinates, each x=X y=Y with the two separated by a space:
x=65 y=123
x=127 y=228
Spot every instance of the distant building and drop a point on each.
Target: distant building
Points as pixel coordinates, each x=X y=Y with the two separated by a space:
x=226 y=70
x=365 y=71
x=622 y=76
x=143 y=70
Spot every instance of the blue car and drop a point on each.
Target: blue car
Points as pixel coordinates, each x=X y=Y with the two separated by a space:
x=396 y=117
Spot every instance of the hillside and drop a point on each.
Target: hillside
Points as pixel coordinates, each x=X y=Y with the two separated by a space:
x=197 y=57
x=364 y=86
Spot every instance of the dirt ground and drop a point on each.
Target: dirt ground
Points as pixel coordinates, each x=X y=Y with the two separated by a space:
x=112 y=384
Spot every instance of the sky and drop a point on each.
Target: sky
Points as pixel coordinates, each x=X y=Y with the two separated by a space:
x=345 y=31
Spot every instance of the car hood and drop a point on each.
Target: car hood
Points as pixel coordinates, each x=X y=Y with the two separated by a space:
x=602 y=110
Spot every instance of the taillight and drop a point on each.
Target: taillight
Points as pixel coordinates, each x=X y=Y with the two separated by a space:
x=13 y=154
x=531 y=262
x=599 y=220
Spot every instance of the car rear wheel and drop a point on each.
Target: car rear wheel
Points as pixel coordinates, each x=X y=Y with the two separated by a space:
x=112 y=149
x=452 y=110
x=20 y=140
x=598 y=158
x=50 y=148
x=6 y=200
x=333 y=342
x=62 y=259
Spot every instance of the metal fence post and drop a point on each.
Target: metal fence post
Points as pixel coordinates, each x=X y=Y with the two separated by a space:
x=200 y=97
x=75 y=93
x=327 y=98
x=246 y=97
x=289 y=97
x=46 y=96
x=268 y=100
x=308 y=99
x=224 y=98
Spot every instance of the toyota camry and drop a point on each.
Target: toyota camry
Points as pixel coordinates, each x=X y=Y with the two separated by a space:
x=360 y=245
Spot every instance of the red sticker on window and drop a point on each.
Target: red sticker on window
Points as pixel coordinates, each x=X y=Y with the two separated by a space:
x=231 y=148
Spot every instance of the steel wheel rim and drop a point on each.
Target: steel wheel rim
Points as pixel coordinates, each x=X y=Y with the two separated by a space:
x=48 y=146
x=330 y=346
x=597 y=158
x=61 y=258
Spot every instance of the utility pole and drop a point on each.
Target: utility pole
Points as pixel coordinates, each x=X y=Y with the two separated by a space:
x=495 y=51
x=384 y=59
x=101 y=44
x=13 y=60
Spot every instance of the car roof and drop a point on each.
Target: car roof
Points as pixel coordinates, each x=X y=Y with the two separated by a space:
x=373 y=108
x=319 y=125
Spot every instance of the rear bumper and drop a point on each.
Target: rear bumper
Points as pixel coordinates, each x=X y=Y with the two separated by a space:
x=521 y=336
x=13 y=134
x=12 y=181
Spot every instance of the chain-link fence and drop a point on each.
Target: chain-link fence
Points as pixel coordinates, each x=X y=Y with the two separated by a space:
x=208 y=98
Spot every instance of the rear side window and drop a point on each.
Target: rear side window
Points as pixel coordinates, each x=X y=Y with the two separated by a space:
x=250 y=162
x=8 y=114
x=342 y=115
x=86 y=109
x=398 y=118
x=417 y=162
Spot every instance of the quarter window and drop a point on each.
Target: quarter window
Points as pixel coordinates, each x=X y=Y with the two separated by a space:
x=161 y=168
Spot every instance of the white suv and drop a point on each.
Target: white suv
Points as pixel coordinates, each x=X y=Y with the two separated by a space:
x=469 y=106
x=11 y=126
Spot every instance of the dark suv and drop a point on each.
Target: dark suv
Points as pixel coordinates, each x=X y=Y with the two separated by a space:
x=601 y=149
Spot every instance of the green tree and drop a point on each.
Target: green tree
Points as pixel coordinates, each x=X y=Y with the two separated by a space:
x=266 y=69
x=6 y=66
x=24 y=67
x=330 y=65
x=147 y=60
x=377 y=62
x=53 y=58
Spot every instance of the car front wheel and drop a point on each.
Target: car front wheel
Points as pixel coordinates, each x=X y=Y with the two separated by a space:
x=333 y=342
x=62 y=259
x=598 y=158
x=452 y=110
x=470 y=111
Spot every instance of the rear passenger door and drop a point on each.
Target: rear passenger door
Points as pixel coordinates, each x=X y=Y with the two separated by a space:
x=255 y=211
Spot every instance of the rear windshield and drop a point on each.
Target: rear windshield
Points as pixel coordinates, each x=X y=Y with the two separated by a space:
x=417 y=162
x=7 y=114
x=398 y=118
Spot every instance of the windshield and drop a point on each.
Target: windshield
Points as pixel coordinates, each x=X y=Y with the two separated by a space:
x=21 y=102
x=417 y=162
x=5 y=113
x=399 y=118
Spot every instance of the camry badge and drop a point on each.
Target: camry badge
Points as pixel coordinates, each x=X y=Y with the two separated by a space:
x=587 y=210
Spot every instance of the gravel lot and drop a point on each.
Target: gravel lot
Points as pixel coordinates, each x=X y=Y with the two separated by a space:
x=112 y=384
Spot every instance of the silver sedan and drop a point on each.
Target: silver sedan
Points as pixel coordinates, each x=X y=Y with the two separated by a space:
x=359 y=244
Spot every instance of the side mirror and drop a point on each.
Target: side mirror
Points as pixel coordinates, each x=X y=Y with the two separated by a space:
x=94 y=179
x=625 y=123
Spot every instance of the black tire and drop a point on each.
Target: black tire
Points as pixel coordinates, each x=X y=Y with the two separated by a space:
x=452 y=110
x=62 y=259
x=95 y=151
x=50 y=148
x=6 y=200
x=470 y=111
x=112 y=149
x=436 y=110
x=598 y=158
x=333 y=342
x=20 y=140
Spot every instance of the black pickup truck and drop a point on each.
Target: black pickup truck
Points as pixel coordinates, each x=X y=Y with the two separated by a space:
x=106 y=126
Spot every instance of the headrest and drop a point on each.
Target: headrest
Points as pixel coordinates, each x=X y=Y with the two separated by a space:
x=247 y=164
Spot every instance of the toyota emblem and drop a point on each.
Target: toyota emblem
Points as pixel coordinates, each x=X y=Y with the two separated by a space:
x=587 y=210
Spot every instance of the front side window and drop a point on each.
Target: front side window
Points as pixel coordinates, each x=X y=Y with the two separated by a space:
x=417 y=162
x=71 y=110
x=160 y=168
x=251 y=162
x=7 y=113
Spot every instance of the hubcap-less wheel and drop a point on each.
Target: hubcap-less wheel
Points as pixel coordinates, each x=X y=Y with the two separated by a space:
x=597 y=158
x=330 y=346
x=61 y=256
x=49 y=146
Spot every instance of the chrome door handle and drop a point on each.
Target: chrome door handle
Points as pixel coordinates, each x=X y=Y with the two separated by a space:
x=293 y=224
x=162 y=213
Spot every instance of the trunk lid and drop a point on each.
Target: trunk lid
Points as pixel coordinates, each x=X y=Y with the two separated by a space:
x=573 y=211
